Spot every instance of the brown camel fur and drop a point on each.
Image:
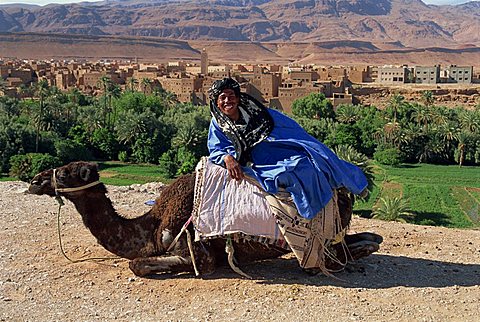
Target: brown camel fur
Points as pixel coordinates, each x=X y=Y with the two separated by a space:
x=145 y=239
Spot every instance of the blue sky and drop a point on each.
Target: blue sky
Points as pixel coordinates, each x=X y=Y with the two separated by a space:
x=44 y=2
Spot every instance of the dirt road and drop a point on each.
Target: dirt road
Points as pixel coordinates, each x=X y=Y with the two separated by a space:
x=420 y=274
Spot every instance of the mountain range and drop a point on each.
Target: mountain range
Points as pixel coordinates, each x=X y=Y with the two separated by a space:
x=409 y=23
x=251 y=31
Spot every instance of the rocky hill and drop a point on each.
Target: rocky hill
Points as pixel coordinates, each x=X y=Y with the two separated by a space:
x=155 y=49
x=410 y=23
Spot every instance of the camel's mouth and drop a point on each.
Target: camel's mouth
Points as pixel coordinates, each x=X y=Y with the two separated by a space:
x=38 y=186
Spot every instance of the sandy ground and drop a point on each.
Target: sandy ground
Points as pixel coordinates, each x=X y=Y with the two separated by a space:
x=420 y=274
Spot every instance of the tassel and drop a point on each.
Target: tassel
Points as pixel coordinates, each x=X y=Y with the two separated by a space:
x=229 y=250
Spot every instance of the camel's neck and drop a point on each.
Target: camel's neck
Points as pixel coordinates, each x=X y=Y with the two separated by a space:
x=128 y=238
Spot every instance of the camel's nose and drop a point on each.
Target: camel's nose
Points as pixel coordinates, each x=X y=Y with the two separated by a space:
x=35 y=181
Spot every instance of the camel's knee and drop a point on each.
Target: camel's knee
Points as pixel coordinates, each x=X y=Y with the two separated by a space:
x=365 y=236
x=362 y=248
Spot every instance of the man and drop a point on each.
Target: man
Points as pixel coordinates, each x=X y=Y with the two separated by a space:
x=279 y=153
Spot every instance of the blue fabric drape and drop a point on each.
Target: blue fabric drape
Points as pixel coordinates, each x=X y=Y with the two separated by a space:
x=292 y=159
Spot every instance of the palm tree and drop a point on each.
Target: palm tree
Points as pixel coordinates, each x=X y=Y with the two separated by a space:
x=133 y=82
x=105 y=83
x=463 y=138
x=146 y=83
x=3 y=85
x=395 y=103
x=427 y=98
x=433 y=148
x=131 y=126
x=41 y=91
x=422 y=115
x=470 y=121
x=74 y=95
x=447 y=132
x=347 y=113
x=349 y=154
x=24 y=90
x=170 y=99
x=114 y=91
x=440 y=115
x=393 y=209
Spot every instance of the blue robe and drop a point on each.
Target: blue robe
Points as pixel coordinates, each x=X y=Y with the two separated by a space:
x=292 y=159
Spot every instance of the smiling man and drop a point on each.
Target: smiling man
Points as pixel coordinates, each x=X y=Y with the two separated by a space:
x=247 y=137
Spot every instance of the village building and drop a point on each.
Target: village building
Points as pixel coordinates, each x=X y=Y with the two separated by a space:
x=459 y=74
x=332 y=73
x=427 y=74
x=392 y=75
x=274 y=85
x=360 y=74
x=289 y=91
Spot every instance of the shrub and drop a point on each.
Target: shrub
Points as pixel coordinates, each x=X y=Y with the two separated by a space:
x=314 y=105
x=15 y=138
x=389 y=156
x=144 y=150
x=26 y=166
x=393 y=209
x=167 y=164
x=69 y=150
x=106 y=143
x=187 y=161
x=123 y=156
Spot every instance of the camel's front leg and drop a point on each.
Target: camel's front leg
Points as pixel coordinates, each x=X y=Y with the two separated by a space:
x=178 y=261
x=160 y=264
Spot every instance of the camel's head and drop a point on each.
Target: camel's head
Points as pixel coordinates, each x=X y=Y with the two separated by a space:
x=73 y=175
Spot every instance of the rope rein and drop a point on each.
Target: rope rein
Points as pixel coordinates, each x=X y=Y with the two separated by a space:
x=59 y=199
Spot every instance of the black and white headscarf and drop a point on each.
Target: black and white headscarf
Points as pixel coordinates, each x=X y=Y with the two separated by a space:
x=254 y=125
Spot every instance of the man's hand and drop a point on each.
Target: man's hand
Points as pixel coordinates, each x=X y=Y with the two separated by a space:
x=234 y=169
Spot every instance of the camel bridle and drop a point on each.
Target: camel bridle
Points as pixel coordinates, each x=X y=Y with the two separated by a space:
x=57 y=190
x=60 y=204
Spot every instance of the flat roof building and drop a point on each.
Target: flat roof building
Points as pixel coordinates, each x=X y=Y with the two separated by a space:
x=392 y=75
x=427 y=74
x=459 y=74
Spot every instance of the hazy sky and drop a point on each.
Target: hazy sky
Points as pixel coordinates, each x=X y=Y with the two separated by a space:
x=44 y=2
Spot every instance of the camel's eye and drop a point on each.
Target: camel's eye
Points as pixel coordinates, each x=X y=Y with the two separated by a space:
x=62 y=174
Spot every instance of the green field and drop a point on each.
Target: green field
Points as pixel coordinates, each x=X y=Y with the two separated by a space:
x=121 y=174
x=438 y=195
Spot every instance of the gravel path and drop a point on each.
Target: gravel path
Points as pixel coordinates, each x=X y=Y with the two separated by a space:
x=420 y=274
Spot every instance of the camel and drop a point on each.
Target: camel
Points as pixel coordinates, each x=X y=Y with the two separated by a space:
x=145 y=240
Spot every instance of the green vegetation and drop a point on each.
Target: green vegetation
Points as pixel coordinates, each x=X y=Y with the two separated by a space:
x=130 y=126
x=442 y=145
x=122 y=174
x=437 y=195
x=392 y=209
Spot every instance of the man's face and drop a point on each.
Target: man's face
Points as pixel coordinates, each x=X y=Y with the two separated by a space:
x=227 y=102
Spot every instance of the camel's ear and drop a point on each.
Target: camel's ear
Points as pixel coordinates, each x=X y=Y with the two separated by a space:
x=84 y=173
